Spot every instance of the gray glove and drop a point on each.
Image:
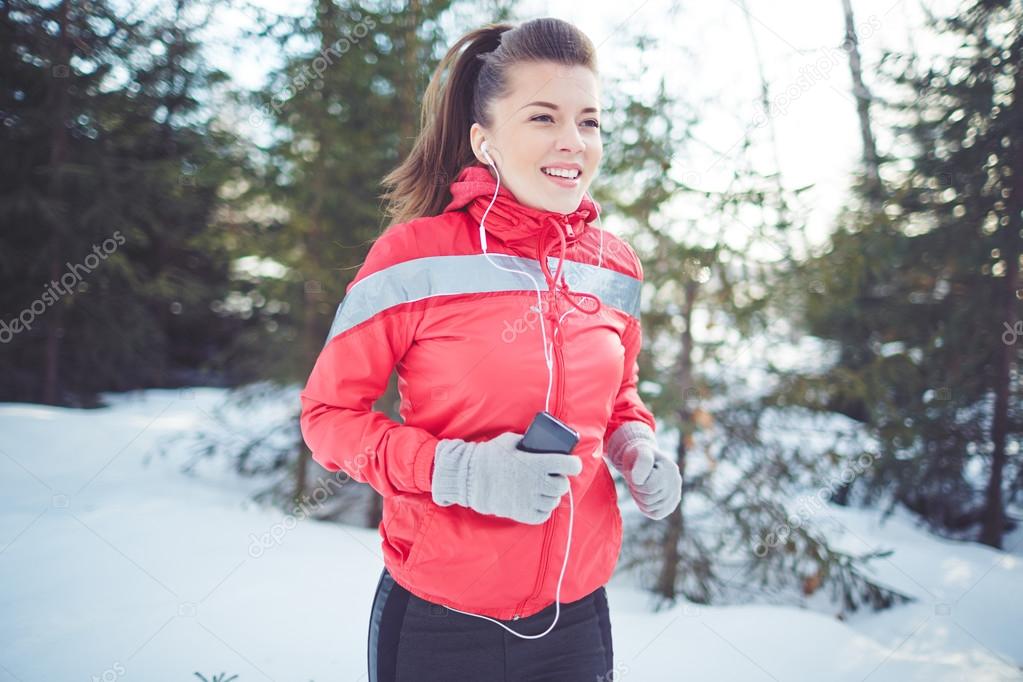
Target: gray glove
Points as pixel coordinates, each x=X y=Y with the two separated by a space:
x=654 y=480
x=494 y=477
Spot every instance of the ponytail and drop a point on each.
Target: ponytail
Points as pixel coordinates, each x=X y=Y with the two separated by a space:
x=420 y=184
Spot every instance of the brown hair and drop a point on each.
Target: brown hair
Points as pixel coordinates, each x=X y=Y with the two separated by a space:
x=478 y=75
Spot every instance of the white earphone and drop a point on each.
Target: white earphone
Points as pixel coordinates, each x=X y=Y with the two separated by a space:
x=548 y=360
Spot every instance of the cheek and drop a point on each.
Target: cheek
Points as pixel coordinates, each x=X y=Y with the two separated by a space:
x=526 y=154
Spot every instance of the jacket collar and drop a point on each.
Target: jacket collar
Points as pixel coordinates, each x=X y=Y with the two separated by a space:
x=528 y=228
x=511 y=222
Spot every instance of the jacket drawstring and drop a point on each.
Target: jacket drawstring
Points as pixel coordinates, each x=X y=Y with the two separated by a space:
x=556 y=282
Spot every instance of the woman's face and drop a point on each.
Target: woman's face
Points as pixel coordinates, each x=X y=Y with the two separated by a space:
x=550 y=119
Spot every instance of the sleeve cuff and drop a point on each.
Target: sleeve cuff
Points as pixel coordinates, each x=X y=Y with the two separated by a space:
x=422 y=465
x=451 y=473
x=626 y=436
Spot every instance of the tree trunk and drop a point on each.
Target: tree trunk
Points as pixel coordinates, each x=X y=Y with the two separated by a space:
x=58 y=156
x=301 y=474
x=668 y=575
x=993 y=527
x=871 y=163
x=408 y=122
x=765 y=100
x=313 y=336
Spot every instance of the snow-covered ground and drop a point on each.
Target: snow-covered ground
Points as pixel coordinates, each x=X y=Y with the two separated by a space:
x=114 y=565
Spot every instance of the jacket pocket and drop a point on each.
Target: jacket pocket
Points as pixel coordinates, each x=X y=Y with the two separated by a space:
x=424 y=512
x=404 y=523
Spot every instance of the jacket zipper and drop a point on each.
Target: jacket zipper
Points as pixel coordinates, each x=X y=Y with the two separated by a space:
x=559 y=362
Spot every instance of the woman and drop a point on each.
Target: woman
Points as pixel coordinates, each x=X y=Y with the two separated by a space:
x=495 y=558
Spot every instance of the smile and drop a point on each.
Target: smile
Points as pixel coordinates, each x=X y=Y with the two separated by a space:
x=562 y=177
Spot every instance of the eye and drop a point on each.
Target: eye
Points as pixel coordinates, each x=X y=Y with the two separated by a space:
x=591 y=122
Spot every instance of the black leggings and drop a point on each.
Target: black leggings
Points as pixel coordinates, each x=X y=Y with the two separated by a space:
x=411 y=639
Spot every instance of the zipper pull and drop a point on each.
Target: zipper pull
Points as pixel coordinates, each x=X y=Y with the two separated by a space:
x=571 y=232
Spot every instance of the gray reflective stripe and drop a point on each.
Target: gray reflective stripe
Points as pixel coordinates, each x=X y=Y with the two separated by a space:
x=422 y=278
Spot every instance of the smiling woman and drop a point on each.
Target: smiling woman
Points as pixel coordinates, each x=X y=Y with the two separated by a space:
x=459 y=296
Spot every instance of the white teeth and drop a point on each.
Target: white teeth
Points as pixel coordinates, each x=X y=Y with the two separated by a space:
x=562 y=173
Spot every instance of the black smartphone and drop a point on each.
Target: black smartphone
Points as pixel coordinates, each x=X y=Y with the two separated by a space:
x=548 y=434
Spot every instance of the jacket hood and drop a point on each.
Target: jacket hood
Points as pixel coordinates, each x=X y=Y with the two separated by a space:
x=509 y=220
x=530 y=229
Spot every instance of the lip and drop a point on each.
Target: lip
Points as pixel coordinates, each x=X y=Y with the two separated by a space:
x=564 y=182
x=564 y=166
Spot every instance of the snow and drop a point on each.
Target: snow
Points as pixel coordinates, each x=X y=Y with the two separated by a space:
x=116 y=565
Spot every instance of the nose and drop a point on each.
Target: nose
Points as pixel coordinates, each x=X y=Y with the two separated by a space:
x=569 y=139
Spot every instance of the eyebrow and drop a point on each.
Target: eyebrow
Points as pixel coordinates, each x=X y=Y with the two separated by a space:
x=550 y=105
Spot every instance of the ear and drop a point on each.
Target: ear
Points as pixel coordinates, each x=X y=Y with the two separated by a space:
x=476 y=136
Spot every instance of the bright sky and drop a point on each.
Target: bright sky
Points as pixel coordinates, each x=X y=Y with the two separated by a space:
x=708 y=55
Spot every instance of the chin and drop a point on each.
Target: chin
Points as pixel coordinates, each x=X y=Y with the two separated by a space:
x=563 y=204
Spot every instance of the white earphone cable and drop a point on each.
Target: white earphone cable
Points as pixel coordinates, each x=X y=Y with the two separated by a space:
x=548 y=360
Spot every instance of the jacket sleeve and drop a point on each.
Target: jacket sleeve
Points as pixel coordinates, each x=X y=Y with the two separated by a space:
x=628 y=406
x=372 y=329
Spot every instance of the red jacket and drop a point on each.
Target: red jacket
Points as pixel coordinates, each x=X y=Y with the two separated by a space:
x=470 y=363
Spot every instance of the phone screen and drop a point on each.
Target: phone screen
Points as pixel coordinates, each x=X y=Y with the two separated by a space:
x=548 y=434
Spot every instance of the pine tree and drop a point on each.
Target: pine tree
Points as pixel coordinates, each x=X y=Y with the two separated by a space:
x=702 y=275
x=922 y=299
x=110 y=175
x=966 y=189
